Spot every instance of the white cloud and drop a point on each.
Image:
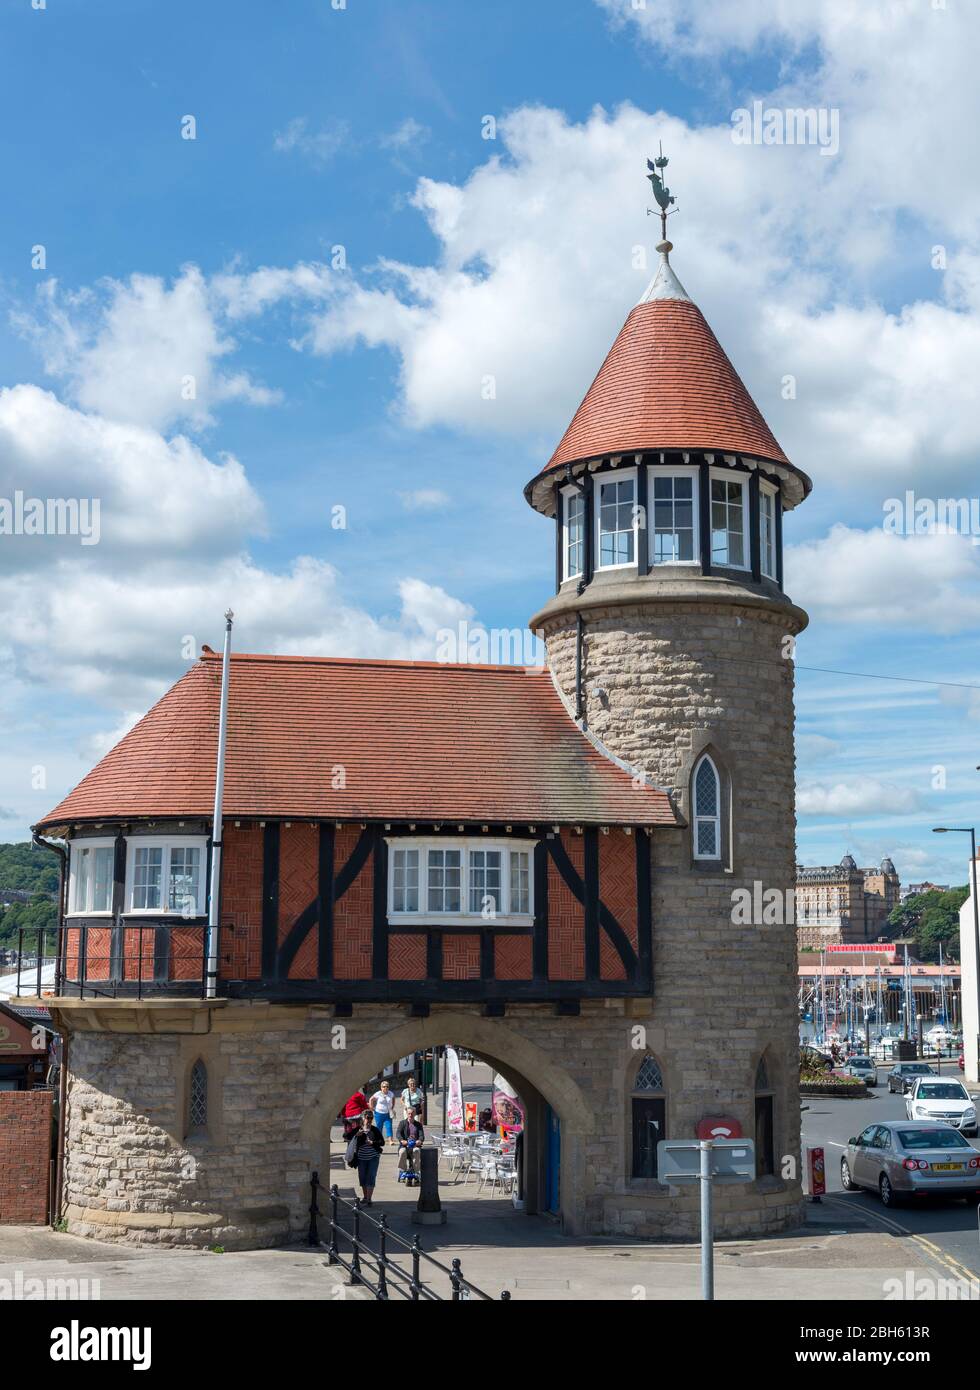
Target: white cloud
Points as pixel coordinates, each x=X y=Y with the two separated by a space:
x=140 y=351
x=874 y=578
x=318 y=146
x=856 y=796
x=410 y=133
x=425 y=499
x=157 y=496
x=814 y=746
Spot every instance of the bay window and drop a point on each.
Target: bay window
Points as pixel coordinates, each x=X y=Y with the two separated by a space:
x=616 y=519
x=90 y=887
x=728 y=517
x=165 y=876
x=460 y=882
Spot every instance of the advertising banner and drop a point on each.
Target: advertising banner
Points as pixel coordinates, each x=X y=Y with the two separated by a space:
x=454 y=1091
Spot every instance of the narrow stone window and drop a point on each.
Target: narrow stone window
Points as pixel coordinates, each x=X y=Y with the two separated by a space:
x=706 y=798
x=648 y=1106
x=198 y=1098
x=765 y=1153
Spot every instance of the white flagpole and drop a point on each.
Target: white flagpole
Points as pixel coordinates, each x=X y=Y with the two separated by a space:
x=219 y=787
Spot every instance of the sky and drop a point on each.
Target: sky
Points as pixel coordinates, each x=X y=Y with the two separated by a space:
x=258 y=265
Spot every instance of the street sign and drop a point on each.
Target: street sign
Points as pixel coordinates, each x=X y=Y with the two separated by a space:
x=679 y=1161
x=706 y=1162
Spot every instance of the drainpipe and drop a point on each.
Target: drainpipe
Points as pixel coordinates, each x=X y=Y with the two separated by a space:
x=219 y=787
x=57 y=1204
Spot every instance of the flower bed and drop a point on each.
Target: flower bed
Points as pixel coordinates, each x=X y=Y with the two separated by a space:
x=845 y=1087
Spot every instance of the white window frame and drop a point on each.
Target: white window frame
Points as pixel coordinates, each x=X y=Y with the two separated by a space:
x=729 y=475
x=697 y=819
x=100 y=842
x=166 y=843
x=465 y=844
x=684 y=471
x=767 y=490
x=568 y=493
x=599 y=481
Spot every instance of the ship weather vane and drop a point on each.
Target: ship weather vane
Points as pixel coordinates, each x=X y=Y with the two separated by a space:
x=661 y=192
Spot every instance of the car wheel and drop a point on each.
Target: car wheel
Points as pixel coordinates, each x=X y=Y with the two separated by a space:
x=846 y=1181
x=886 y=1192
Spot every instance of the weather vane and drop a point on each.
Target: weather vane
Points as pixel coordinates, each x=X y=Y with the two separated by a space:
x=662 y=194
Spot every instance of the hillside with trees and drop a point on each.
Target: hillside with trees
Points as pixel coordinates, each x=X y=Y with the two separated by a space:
x=930 y=919
x=26 y=869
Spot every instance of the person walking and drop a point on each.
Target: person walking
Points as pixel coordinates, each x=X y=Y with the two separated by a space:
x=411 y=1099
x=411 y=1137
x=351 y=1112
x=365 y=1149
x=383 y=1105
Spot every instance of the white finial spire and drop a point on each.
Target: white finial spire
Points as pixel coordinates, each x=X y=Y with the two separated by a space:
x=665 y=284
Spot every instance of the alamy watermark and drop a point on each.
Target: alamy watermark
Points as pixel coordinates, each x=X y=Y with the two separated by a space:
x=495 y=646
x=792 y=125
x=30 y=1288
x=51 y=516
x=925 y=516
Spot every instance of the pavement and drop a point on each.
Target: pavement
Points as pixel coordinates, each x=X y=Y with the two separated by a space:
x=848 y=1249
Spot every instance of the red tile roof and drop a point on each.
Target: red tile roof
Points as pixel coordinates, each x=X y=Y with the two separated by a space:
x=417 y=741
x=666 y=384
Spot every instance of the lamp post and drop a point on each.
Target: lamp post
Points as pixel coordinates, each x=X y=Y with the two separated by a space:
x=971 y=831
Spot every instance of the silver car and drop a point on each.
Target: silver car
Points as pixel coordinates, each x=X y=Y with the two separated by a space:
x=901 y=1159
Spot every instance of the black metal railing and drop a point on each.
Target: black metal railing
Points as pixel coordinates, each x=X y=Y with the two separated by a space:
x=374 y=1269
x=115 y=958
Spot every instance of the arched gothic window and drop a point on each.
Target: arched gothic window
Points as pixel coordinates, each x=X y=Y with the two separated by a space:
x=648 y=1106
x=197 y=1107
x=706 y=802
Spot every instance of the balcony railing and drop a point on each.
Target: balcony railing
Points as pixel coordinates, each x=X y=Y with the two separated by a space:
x=114 y=959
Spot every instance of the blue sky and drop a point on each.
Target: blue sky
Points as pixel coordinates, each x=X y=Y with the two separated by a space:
x=351 y=377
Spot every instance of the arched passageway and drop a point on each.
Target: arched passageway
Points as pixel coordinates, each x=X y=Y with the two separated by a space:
x=542 y=1085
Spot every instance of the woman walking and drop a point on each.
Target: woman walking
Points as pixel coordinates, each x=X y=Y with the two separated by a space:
x=365 y=1148
x=411 y=1099
x=383 y=1105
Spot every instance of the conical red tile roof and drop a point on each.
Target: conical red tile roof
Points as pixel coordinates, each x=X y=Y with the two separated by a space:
x=666 y=384
x=416 y=741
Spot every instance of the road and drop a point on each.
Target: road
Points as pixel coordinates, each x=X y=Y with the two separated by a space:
x=951 y=1225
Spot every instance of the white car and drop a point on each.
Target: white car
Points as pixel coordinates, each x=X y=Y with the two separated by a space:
x=935 y=1098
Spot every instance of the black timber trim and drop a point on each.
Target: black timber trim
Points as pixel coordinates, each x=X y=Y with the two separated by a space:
x=644 y=906
x=312 y=912
x=433 y=955
x=117 y=941
x=643 y=526
x=591 y=902
x=486 y=955
x=298 y=932
x=452 y=929
x=355 y=863
x=704 y=515
x=435 y=989
x=270 y=899
x=606 y=920
x=379 y=931
x=778 y=513
x=325 y=902
x=755 y=546
x=559 y=539
x=539 y=949
x=588 y=559
x=162 y=952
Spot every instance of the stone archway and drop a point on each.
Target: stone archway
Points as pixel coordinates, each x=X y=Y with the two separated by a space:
x=535 y=1074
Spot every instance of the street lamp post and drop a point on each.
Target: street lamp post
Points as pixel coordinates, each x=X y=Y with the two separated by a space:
x=971 y=831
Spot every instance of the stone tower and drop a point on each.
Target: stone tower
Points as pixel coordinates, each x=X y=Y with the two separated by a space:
x=670 y=639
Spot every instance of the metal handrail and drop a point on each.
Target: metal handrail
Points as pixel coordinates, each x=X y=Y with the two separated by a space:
x=378 y=1262
x=123 y=975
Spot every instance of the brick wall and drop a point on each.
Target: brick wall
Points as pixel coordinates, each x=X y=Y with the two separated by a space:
x=25 y=1153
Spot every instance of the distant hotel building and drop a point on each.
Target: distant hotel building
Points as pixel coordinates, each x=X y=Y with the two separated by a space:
x=914 y=889
x=842 y=904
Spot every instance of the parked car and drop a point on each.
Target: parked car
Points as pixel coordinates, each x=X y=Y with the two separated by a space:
x=902 y=1075
x=948 y=1101
x=812 y=1057
x=863 y=1068
x=901 y=1159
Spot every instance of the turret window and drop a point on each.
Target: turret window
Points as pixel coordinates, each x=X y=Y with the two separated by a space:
x=767 y=530
x=574 y=532
x=675 y=520
x=707 y=810
x=616 y=521
x=728 y=517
